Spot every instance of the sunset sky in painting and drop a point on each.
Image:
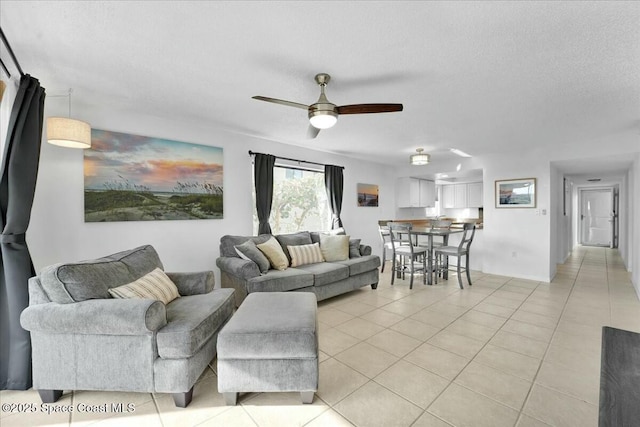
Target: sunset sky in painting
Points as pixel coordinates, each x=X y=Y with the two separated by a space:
x=153 y=162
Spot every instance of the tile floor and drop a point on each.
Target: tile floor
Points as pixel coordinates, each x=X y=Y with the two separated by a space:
x=505 y=352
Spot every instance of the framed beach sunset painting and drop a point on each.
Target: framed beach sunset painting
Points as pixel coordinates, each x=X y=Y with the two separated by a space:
x=368 y=195
x=139 y=178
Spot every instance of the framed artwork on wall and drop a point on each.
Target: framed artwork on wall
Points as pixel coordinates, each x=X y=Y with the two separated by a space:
x=368 y=195
x=516 y=193
x=139 y=178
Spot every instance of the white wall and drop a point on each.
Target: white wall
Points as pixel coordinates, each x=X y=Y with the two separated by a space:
x=519 y=231
x=58 y=233
x=634 y=215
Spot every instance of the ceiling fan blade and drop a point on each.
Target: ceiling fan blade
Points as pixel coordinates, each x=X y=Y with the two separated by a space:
x=369 y=108
x=312 y=132
x=281 y=102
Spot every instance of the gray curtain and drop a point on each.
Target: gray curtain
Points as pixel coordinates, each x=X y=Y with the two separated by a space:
x=263 y=179
x=333 y=182
x=17 y=188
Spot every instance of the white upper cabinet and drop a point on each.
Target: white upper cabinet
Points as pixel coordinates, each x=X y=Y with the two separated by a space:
x=456 y=196
x=415 y=193
x=474 y=195
x=448 y=196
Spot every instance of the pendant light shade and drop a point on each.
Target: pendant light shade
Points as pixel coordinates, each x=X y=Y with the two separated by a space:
x=69 y=133
x=420 y=158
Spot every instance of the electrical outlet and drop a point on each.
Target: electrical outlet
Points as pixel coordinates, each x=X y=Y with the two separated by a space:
x=514 y=254
x=537 y=212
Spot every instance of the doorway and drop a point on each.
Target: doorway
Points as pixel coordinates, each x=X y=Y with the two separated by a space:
x=598 y=215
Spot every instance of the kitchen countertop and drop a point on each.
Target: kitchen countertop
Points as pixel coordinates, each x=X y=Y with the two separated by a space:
x=426 y=222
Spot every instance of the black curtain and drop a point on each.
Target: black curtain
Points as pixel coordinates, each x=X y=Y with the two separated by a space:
x=17 y=188
x=263 y=179
x=333 y=182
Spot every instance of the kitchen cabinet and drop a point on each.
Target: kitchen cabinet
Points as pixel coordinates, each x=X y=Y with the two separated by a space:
x=415 y=193
x=455 y=196
x=474 y=195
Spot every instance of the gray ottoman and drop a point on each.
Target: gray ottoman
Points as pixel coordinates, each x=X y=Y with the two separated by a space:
x=270 y=344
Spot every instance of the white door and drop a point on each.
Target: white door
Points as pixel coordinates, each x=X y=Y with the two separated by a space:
x=596 y=215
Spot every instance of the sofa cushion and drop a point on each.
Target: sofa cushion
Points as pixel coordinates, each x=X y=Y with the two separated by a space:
x=155 y=285
x=92 y=279
x=280 y=281
x=334 y=247
x=228 y=243
x=325 y=273
x=192 y=321
x=362 y=264
x=354 y=248
x=293 y=239
x=250 y=252
x=274 y=253
x=305 y=254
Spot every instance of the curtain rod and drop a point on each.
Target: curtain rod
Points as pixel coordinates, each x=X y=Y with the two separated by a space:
x=251 y=153
x=13 y=57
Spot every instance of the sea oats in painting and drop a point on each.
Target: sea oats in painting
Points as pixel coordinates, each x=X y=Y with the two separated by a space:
x=139 y=178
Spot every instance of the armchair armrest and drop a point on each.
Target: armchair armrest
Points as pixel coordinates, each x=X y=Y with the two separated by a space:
x=193 y=283
x=365 y=250
x=238 y=267
x=97 y=317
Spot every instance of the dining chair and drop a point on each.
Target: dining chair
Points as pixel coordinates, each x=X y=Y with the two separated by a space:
x=443 y=253
x=406 y=255
x=387 y=245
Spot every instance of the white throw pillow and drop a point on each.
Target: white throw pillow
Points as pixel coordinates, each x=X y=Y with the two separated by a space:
x=305 y=254
x=334 y=248
x=274 y=253
x=155 y=285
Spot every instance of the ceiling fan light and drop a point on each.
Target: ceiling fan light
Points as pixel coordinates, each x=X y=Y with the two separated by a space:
x=68 y=133
x=419 y=158
x=323 y=119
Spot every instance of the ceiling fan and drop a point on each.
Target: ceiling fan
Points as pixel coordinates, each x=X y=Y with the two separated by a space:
x=323 y=114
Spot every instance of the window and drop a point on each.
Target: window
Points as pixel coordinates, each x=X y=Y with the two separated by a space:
x=299 y=201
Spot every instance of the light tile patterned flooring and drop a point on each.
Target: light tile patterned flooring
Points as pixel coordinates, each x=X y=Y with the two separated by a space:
x=505 y=352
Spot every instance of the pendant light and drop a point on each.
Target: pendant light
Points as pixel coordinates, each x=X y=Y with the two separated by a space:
x=419 y=158
x=68 y=132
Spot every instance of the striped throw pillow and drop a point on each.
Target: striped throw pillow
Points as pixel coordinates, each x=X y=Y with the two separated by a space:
x=305 y=254
x=155 y=285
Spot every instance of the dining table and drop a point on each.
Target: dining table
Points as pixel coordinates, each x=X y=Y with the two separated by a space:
x=430 y=233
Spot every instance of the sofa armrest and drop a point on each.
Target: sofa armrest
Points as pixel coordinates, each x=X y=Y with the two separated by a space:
x=365 y=250
x=238 y=267
x=96 y=317
x=193 y=283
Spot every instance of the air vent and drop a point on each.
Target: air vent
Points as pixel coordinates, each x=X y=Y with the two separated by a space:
x=594 y=180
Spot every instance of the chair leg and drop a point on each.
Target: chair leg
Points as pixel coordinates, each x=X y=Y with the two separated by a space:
x=424 y=269
x=306 y=396
x=384 y=258
x=411 y=280
x=459 y=273
x=436 y=273
x=49 y=396
x=468 y=274
x=182 y=400
x=393 y=268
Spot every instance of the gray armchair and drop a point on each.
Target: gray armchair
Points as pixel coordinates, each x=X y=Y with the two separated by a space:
x=83 y=339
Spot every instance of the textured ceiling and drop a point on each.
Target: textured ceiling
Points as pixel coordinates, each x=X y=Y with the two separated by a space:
x=479 y=76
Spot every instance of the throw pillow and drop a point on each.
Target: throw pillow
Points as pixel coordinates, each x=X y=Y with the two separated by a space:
x=354 y=248
x=274 y=253
x=334 y=248
x=155 y=285
x=305 y=254
x=293 y=239
x=249 y=251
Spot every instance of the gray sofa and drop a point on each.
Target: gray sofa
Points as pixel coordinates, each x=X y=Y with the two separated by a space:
x=83 y=339
x=325 y=279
